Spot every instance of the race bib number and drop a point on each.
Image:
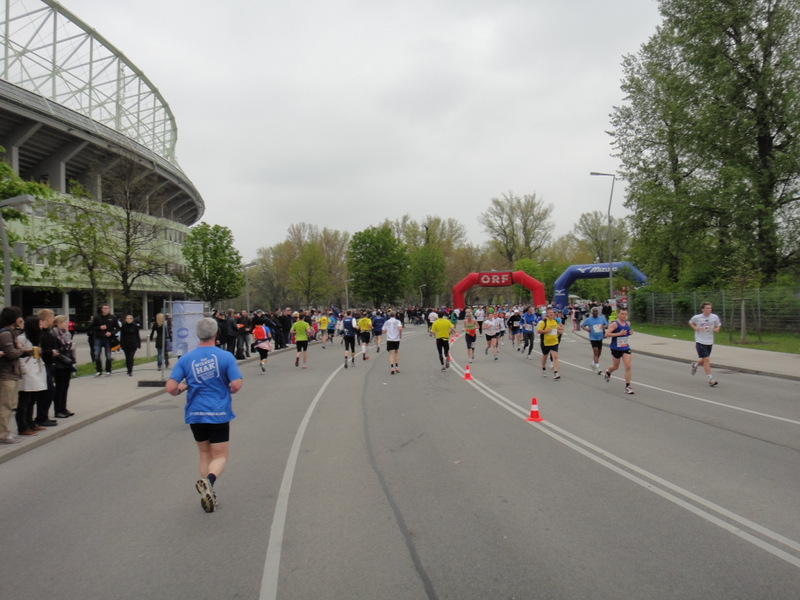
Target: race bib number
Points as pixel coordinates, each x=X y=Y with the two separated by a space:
x=622 y=341
x=598 y=328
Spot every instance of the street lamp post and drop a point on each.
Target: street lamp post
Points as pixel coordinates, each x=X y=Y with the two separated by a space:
x=421 y=299
x=608 y=234
x=346 y=294
x=247 y=283
x=16 y=201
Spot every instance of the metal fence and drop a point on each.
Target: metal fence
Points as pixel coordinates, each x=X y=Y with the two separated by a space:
x=775 y=309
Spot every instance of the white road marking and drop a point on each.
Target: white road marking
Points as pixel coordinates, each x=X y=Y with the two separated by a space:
x=702 y=508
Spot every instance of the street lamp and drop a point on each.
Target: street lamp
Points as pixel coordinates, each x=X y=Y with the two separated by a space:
x=247 y=282
x=608 y=235
x=421 y=299
x=16 y=201
x=346 y=294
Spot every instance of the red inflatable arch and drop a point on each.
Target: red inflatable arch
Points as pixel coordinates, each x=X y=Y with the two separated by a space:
x=499 y=279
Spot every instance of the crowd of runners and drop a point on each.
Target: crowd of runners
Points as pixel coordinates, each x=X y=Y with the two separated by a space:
x=523 y=327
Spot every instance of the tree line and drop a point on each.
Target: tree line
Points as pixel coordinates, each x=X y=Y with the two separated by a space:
x=417 y=262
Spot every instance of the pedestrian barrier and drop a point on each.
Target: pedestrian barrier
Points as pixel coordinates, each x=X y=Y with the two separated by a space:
x=534 y=412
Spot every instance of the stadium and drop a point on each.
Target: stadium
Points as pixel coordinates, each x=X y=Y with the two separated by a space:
x=75 y=109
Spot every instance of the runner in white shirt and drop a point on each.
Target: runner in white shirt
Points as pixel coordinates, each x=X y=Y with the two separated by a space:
x=394 y=331
x=705 y=325
x=491 y=328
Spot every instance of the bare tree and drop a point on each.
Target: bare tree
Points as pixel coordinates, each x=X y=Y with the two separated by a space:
x=518 y=227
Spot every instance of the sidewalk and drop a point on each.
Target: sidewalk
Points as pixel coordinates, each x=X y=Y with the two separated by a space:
x=94 y=398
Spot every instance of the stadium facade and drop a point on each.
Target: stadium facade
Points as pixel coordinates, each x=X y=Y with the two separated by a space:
x=71 y=102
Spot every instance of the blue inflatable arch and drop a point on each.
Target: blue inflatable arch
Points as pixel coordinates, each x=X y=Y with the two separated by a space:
x=568 y=277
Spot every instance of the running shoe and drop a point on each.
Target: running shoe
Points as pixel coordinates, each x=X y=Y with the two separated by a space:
x=297 y=362
x=495 y=358
x=694 y=368
x=392 y=371
x=444 y=369
x=607 y=376
x=544 y=372
x=345 y=363
x=377 y=349
x=447 y=364
x=208 y=499
x=486 y=352
x=628 y=390
x=712 y=383
x=556 y=376
x=263 y=370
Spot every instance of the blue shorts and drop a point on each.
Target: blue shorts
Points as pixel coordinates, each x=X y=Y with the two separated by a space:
x=703 y=350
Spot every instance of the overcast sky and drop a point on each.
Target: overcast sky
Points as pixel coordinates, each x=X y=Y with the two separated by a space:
x=342 y=113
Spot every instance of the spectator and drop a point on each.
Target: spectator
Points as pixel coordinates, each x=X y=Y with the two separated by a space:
x=162 y=335
x=104 y=330
x=32 y=377
x=63 y=365
x=130 y=340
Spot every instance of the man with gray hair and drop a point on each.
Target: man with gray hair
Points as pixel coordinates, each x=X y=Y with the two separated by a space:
x=211 y=376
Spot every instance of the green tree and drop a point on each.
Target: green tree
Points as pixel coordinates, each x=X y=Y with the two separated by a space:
x=136 y=245
x=76 y=241
x=428 y=268
x=213 y=264
x=592 y=231
x=12 y=185
x=378 y=263
x=708 y=138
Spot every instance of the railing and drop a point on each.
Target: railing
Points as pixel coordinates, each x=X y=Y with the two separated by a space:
x=765 y=309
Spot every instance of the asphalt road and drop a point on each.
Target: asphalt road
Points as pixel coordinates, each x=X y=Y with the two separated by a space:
x=360 y=484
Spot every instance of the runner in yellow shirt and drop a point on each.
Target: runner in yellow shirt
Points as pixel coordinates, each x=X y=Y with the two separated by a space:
x=550 y=328
x=323 y=328
x=441 y=329
x=364 y=327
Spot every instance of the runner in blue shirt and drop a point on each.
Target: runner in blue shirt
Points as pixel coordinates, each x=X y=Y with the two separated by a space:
x=211 y=376
x=528 y=323
x=378 y=321
x=596 y=325
x=619 y=331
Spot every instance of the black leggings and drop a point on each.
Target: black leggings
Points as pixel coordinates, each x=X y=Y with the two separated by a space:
x=443 y=347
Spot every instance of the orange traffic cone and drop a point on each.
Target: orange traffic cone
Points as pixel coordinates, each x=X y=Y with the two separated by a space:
x=467 y=375
x=534 y=412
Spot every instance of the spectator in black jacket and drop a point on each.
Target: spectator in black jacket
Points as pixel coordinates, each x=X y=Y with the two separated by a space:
x=231 y=330
x=130 y=340
x=105 y=327
x=286 y=322
x=245 y=325
x=49 y=346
